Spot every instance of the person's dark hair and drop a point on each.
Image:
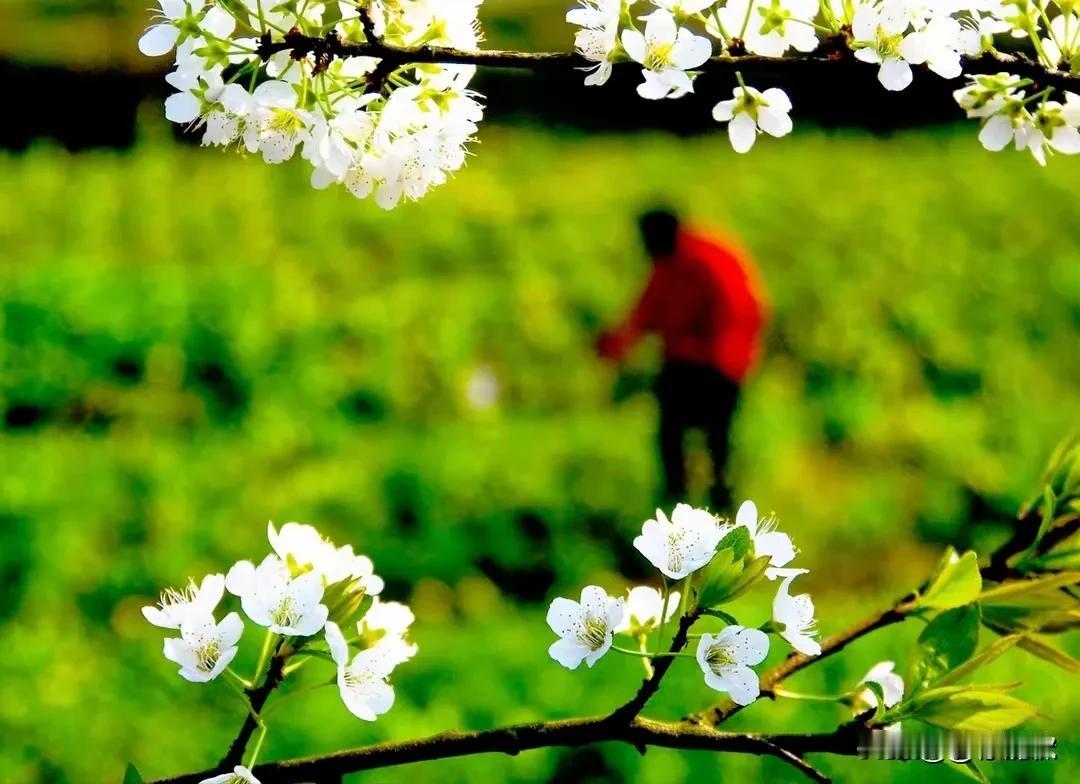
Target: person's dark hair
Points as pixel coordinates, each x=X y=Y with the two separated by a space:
x=659 y=227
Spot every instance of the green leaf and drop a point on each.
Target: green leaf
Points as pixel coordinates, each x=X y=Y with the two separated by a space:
x=974 y=710
x=132 y=775
x=731 y=620
x=721 y=572
x=738 y=541
x=726 y=579
x=879 y=706
x=750 y=575
x=957 y=582
x=969 y=770
x=1044 y=650
x=987 y=655
x=1048 y=512
x=946 y=643
x=1007 y=593
x=1056 y=560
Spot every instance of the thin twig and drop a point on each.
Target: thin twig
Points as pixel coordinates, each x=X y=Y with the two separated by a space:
x=661 y=665
x=257 y=698
x=798 y=661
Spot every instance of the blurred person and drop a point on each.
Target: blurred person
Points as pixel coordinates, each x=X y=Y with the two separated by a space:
x=704 y=301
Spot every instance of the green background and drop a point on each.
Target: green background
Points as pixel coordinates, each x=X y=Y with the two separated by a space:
x=211 y=344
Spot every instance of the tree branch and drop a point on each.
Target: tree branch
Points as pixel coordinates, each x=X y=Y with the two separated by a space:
x=640 y=733
x=651 y=685
x=624 y=725
x=997 y=570
x=832 y=53
x=798 y=661
x=257 y=697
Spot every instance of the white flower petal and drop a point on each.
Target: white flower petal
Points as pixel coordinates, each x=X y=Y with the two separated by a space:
x=742 y=131
x=158 y=40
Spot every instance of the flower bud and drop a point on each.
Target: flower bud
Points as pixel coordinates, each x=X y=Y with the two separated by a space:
x=347 y=601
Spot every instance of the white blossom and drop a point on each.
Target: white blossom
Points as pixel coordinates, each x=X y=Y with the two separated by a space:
x=302 y=548
x=751 y=112
x=273 y=598
x=937 y=45
x=681 y=545
x=178 y=18
x=176 y=606
x=767 y=540
x=598 y=38
x=362 y=680
x=665 y=52
x=769 y=27
x=987 y=95
x=726 y=659
x=585 y=628
x=643 y=608
x=1048 y=131
x=879 y=33
x=892 y=686
x=204 y=648
x=239 y=775
x=385 y=626
x=794 y=614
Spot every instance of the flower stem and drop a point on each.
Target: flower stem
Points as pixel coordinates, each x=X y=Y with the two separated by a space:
x=243 y=682
x=663 y=616
x=647 y=655
x=258 y=746
x=243 y=697
x=685 y=597
x=298 y=693
x=643 y=646
x=795 y=695
x=746 y=20
x=264 y=655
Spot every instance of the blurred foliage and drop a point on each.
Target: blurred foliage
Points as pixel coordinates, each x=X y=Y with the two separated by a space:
x=193 y=342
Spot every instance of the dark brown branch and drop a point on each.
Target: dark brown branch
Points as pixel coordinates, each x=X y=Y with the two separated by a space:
x=651 y=685
x=997 y=569
x=257 y=697
x=1023 y=534
x=798 y=661
x=832 y=51
x=624 y=725
x=640 y=733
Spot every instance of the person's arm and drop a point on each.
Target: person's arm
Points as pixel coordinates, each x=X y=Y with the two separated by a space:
x=615 y=344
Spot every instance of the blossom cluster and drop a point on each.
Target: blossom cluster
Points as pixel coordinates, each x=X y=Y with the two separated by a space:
x=716 y=561
x=317 y=600
x=671 y=39
x=394 y=129
x=391 y=132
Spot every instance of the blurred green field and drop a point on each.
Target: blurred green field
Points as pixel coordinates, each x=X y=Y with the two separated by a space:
x=194 y=343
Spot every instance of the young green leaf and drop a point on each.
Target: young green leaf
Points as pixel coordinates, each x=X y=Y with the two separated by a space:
x=973 y=709
x=1044 y=650
x=1006 y=593
x=987 y=655
x=879 y=700
x=727 y=618
x=738 y=541
x=725 y=580
x=957 y=582
x=132 y=775
x=969 y=770
x=947 y=642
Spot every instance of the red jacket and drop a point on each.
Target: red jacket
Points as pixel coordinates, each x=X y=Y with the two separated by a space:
x=704 y=303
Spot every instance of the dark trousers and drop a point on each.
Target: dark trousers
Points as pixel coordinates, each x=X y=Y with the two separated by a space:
x=695 y=397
